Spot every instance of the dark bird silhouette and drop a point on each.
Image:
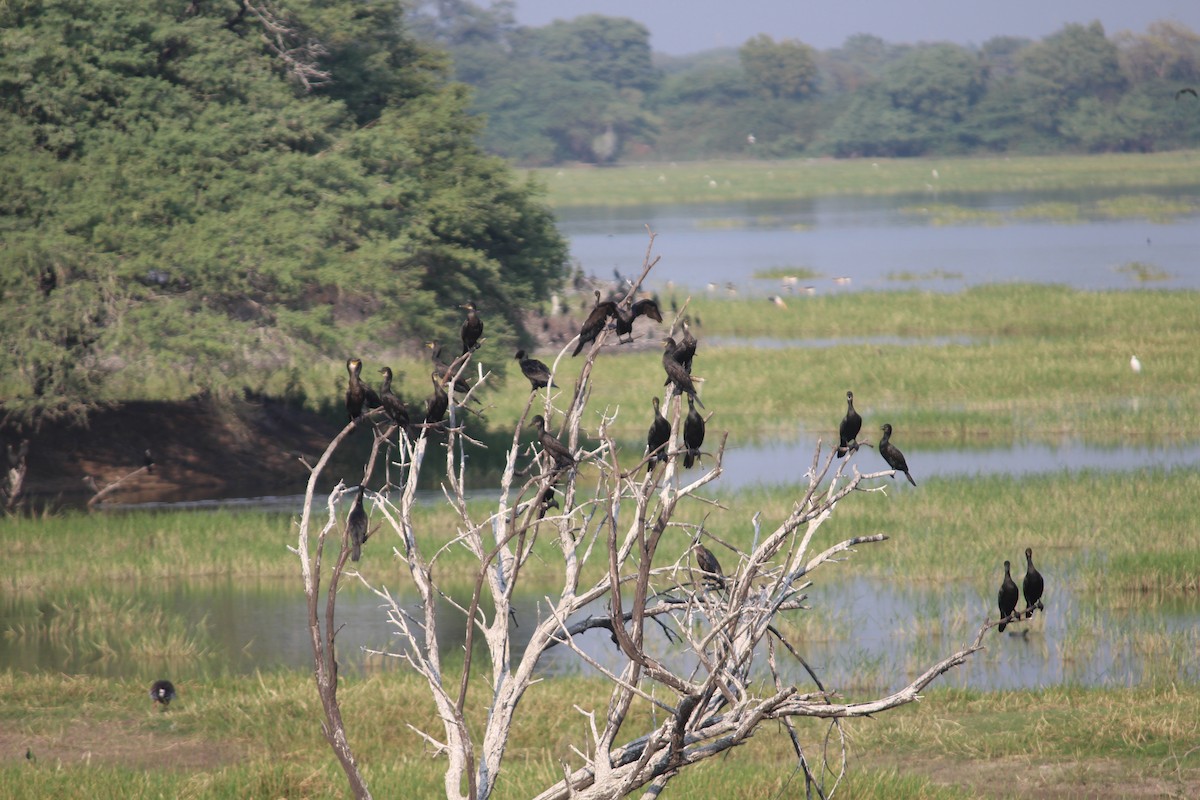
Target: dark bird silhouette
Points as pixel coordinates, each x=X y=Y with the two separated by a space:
x=162 y=692
x=657 y=438
x=537 y=372
x=460 y=384
x=595 y=322
x=1032 y=585
x=676 y=373
x=472 y=329
x=685 y=351
x=848 y=430
x=438 y=403
x=358 y=393
x=708 y=564
x=1007 y=598
x=561 y=455
x=148 y=460
x=393 y=406
x=892 y=455
x=356 y=525
x=1186 y=90
x=624 y=325
x=548 y=503
x=693 y=435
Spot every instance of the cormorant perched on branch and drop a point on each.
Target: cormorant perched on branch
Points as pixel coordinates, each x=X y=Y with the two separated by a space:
x=162 y=692
x=356 y=525
x=647 y=307
x=1007 y=598
x=472 y=329
x=595 y=322
x=460 y=385
x=537 y=372
x=1032 y=585
x=358 y=393
x=892 y=455
x=848 y=430
x=708 y=564
x=393 y=406
x=686 y=350
x=676 y=373
x=657 y=438
x=693 y=434
x=438 y=403
x=551 y=445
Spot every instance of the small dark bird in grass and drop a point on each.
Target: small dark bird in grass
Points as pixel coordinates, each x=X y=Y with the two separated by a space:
x=693 y=435
x=1007 y=598
x=552 y=446
x=356 y=525
x=162 y=692
x=472 y=328
x=657 y=438
x=1032 y=585
x=709 y=565
x=676 y=374
x=892 y=455
x=358 y=394
x=624 y=325
x=537 y=372
x=595 y=322
x=848 y=430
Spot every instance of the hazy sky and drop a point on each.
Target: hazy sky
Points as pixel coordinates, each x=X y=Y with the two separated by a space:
x=689 y=26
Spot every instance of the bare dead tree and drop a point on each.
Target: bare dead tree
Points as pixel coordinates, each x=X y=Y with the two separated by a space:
x=612 y=514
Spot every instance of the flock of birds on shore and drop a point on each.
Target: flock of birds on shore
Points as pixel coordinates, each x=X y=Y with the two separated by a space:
x=677 y=364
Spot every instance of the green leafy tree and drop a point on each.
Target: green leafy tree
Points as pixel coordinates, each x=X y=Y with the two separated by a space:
x=194 y=196
x=1060 y=70
x=784 y=70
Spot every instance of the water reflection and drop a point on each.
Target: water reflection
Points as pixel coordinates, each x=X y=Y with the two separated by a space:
x=860 y=634
x=872 y=241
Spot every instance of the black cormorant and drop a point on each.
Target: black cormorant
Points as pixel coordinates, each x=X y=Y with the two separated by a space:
x=537 y=372
x=595 y=322
x=437 y=403
x=693 y=434
x=676 y=373
x=358 y=393
x=460 y=384
x=393 y=406
x=1007 y=597
x=472 y=329
x=848 y=430
x=708 y=564
x=892 y=455
x=560 y=454
x=356 y=524
x=686 y=350
x=657 y=438
x=624 y=324
x=162 y=692
x=1032 y=585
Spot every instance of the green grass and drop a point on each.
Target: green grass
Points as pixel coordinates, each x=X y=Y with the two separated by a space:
x=259 y=736
x=725 y=181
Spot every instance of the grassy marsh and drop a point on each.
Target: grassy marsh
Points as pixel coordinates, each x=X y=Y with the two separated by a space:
x=724 y=181
x=258 y=737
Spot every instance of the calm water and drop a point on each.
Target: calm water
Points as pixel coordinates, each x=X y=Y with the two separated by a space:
x=873 y=240
x=865 y=633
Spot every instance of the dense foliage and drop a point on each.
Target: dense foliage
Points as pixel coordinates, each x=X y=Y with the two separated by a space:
x=589 y=90
x=208 y=191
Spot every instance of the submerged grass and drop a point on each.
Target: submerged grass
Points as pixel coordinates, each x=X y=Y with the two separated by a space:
x=260 y=737
x=725 y=181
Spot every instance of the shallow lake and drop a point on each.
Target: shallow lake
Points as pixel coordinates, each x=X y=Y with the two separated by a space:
x=864 y=634
x=881 y=243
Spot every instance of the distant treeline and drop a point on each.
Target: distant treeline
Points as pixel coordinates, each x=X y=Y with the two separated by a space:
x=592 y=90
